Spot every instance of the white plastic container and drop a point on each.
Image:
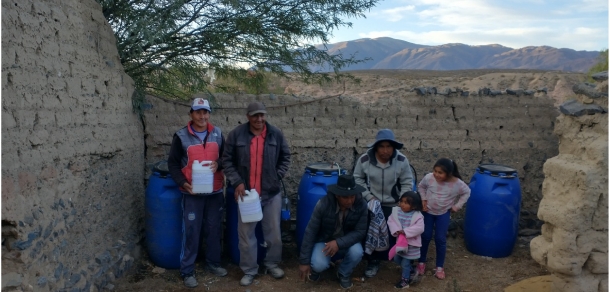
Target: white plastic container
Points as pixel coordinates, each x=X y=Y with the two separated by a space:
x=250 y=209
x=203 y=177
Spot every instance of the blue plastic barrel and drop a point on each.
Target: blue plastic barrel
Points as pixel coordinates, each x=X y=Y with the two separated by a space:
x=231 y=230
x=163 y=218
x=491 y=222
x=313 y=186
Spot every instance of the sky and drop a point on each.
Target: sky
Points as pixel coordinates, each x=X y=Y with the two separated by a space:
x=576 y=24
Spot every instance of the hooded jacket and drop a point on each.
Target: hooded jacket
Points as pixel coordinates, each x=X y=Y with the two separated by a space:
x=379 y=182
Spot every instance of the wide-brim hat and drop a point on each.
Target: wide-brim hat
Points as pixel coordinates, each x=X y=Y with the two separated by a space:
x=386 y=135
x=346 y=186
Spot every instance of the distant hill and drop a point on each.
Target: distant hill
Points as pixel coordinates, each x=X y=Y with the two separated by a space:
x=389 y=53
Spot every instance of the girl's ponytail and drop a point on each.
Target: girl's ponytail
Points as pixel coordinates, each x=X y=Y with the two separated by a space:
x=448 y=166
x=456 y=173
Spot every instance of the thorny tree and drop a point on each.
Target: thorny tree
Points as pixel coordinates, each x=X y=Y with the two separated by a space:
x=166 y=45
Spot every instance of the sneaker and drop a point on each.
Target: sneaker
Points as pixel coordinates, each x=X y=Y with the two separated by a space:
x=246 y=280
x=421 y=268
x=190 y=282
x=345 y=282
x=275 y=272
x=313 y=276
x=440 y=273
x=216 y=270
x=371 y=269
x=403 y=283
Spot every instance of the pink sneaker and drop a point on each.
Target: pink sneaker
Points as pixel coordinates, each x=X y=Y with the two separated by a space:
x=421 y=268
x=440 y=273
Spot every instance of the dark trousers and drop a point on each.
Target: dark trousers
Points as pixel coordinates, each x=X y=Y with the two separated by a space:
x=437 y=225
x=200 y=214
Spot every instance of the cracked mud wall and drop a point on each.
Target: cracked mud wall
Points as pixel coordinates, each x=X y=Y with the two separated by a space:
x=574 y=241
x=512 y=130
x=72 y=150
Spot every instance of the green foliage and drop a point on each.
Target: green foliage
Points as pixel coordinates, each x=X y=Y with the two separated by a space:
x=602 y=64
x=166 y=46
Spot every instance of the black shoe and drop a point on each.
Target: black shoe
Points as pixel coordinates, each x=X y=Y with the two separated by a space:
x=313 y=276
x=345 y=282
x=403 y=283
x=371 y=269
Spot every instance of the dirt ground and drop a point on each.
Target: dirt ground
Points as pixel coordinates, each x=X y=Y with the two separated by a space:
x=465 y=272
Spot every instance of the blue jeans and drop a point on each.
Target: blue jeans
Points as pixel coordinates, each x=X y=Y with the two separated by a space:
x=440 y=225
x=351 y=258
x=405 y=264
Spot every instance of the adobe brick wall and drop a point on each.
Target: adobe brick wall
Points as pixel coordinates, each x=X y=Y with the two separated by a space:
x=574 y=241
x=506 y=129
x=72 y=150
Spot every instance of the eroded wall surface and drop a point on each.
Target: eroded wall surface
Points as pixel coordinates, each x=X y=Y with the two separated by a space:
x=574 y=241
x=72 y=150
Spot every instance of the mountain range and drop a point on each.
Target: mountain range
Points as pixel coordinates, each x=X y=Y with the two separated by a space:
x=389 y=53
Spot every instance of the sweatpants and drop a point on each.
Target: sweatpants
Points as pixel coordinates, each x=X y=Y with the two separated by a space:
x=200 y=214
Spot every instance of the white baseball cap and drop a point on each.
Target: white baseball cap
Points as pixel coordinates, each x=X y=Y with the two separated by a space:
x=200 y=103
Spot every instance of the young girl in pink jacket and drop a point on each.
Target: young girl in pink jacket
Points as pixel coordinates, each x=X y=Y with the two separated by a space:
x=407 y=223
x=442 y=192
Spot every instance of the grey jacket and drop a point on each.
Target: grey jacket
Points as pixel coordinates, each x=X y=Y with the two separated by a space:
x=379 y=182
x=236 y=159
x=321 y=226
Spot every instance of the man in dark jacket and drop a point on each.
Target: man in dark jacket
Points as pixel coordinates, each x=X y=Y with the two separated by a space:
x=256 y=156
x=335 y=231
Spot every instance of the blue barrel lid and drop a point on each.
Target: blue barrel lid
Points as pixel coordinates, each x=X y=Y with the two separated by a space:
x=497 y=169
x=324 y=167
x=161 y=167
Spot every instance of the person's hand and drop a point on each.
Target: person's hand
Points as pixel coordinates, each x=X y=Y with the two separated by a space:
x=214 y=166
x=188 y=187
x=400 y=232
x=425 y=205
x=454 y=208
x=330 y=248
x=240 y=192
x=304 y=271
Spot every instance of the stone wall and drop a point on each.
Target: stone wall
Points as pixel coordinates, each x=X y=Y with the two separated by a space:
x=72 y=150
x=505 y=129
x=574 y=241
